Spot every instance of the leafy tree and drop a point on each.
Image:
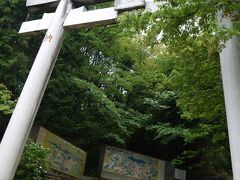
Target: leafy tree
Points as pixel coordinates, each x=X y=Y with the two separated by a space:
x=191 y=37
x=6 y=102
x=6 y=106
x=13 y=60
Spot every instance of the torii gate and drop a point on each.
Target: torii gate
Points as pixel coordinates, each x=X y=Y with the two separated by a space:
x=65 y=17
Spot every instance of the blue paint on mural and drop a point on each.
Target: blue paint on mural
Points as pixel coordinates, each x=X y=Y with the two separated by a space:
x=61 y=156
x=130 y=164
x=65 y=157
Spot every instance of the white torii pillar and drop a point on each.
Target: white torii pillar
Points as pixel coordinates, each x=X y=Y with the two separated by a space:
x=23 y=116
x=230 y=66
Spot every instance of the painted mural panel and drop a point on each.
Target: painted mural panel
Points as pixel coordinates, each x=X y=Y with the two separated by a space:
x=130 y=164
x=65 y=157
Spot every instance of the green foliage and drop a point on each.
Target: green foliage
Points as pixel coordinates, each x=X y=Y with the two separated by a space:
x=191 y=38
x=6 y=102
x=34 y=162
x=14 y=63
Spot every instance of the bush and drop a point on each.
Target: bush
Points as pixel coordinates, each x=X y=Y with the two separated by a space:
x=34 y=162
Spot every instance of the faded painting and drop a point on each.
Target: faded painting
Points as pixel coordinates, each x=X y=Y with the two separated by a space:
x=65 y=157
x=125 y=163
